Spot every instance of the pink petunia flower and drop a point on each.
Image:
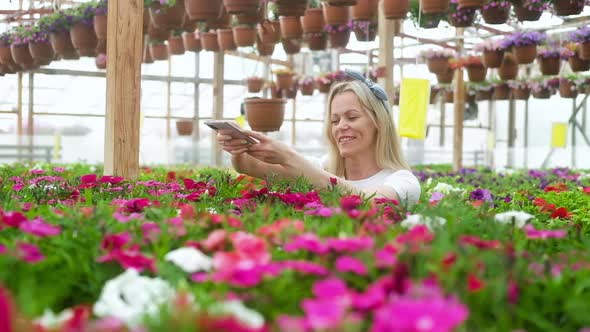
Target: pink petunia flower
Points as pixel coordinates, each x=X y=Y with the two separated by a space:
x=29 y=253
x=3 y=249
x=309 y=242
x=39 y=227
x=350 y=245
x=12 y=219
x=532 y=233
x=351 y=264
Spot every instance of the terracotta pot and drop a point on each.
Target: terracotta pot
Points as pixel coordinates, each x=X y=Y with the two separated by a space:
x=316 y=41
x=470 y=3
x=467 y=19
x=339 y=39
x=100 y=26
x=84 y=39
x=254 y=84
x=495 y=15
x=492 y=59
x=192 y=42
x=225 y=38
x=184 y=127
x=484 y=94
x=159 y=51
x=263 y=48
x=567 y=89
x=209 y=41
x=542 y=93
x=577 y=64
x=291 y=7
x=170 y=18
x=222 y=21
x=364 y=10
x=477 y=73
x=42 y=53
x=275 y=92
x=365 y=35
x=501 y=92
x=342 y=2
x=244 y=35
x=446 y=76
x=509 y=69
x=188 y=25
x=147 y=55
x=22 y=56
x=525 y=54
x=284 y=81
x=61 y=42
x=291 y=46
x=240 y=6
x=396 y=9
x=290 y=93
x=269 y=32
x=291 y=27
x=175 y=45
x=155 y=33
x=437 y=65
x=265 y=114
x=524 y=14
x=449 y=96
x=6 y=56
x=585 y=51
x=549 y=66
x=101 y=46
x=203 y=10
x=568 y=7
x=324 y=87
x=334 y=15
x=521 y=93
x=434 y=6
x=313 y=20
x=252 y=17
x=307 y=89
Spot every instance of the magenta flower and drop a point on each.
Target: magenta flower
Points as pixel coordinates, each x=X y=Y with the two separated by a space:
x=306 y=267
x=150 y=231
x=136 y=204
x=37 y=171
x=115 y=241
x=292 y=324
x=39 y=227
x=29 y=253
x=321 y=211
x=3 y=249
x=385 y=257
x=351 y=264
x=6 y=314
x=323 y=314
x=350 y=245
x=12 y=219
x=351 y=202
x=532 y=233
x=330 y=288
x=309 y=242
x=88 y=178
x=111 y=179
x=372 y=298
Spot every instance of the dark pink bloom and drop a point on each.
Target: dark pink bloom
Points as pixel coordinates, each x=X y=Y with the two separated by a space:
x=306 y=267
x=330 y=288
x=215 y=240
x=12 y=219
x=372 y=298
x=323 y=314
x=3 y=249
x=309 y=242
x=474 y=284
x=37 y=171
x=6 y=314
x=385 y=257
x=323 y=211
x=129 y=258
x=351 y=264
x=176 y=226
x=292 y=324
x=29 y=253
x=350 y=245
x=58 y=169
x=150 y=231
x=532 y=233
x=200 y=277
x=124 y=218
x=417 y=235
x=111 y=179
x=351 y=202
x=115 y=241
x=39 y=227
x=136 y=204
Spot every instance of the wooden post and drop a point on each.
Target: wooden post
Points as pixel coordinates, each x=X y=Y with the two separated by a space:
x=459 y=101
x=196 y=116
x=30 y=120
x=386 y=35
x=526 y=133
x=124 y=53
x=511 y=131
x=218 y=72
x=441 y=137
x=19 y=106
x=169 y=99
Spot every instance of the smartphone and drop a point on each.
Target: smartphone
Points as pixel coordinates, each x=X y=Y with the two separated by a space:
x=236 y=131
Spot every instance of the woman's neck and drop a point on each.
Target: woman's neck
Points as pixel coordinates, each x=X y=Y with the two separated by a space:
x=359 y=168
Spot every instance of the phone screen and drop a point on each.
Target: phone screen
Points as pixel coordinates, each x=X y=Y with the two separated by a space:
x=236 y=131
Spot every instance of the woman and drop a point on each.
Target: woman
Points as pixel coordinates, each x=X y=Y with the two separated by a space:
x=364 y=149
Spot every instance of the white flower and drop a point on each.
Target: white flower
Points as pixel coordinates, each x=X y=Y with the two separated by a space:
x=189 y=259
x=418 y=219
x=129 y=297
x=505 y=171
x=212 y=210
x=520 y=218
x=247 y=316
x=584 y=176
x=50 y=320
x=446 y=188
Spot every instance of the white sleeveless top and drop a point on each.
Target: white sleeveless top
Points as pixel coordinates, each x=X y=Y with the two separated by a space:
x=405 y=184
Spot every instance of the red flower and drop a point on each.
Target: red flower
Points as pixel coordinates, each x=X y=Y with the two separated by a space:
x=333 y=181
x=543 y=205
x=557 y=188
x=479 y=243
x=474 y=284
x=171 y=176
x=477 y=203
x=560 y=213
x=449 y=260
x=586 y=190
x=6 y=314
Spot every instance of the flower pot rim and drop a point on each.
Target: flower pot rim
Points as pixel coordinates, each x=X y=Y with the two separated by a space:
x=265 y=101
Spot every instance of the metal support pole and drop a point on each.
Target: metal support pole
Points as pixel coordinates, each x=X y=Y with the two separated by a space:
x=168 y=99
x=511 y=131
x=30 y=126
x=218 y=72
x=492 y=131
x=443 y=108
x=526 y=133
x=196 y=97
x=19 y=114
x=266 y=75
x=459 y=108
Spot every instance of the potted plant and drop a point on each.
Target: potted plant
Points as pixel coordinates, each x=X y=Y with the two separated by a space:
x=100 y=19
x=203 y=10
x=225 y=39
x=240 y=6
x=460 y=17
x=483 y=90
x=184 y=127
x=520 y=89
x=20 y=47
x=437 y=59
x=524 y=45
x=158 y=50
x=192 y=41
x=492 y=52
x=434 y=6
x=284 y=78
x=396 y=9
x=82 y=29
x=549 y=59
x=306 y=86
x=582 y=36
x=544 y=88
x=290 y=7
x=501 y=90
x=244 y=34
x=324 y=82
x=530 y=10
x=476 y=71
x=571 y=52
x=338 y=35
x=336 y=15
x=364 y=31
x=209 y=39
x=567 y=86
x=254 y=84
x=58 y=26
x=5 y=53
x=265 y=115
x=316 y=41
x=175 y=43
x=496 y=11
x=509 y=68
x=313 y=20
x=291 y=27
x=166 y=14
x=364 y=10
x=568 y=7
x=291 y=46
x=264 y=49
x=40 y=47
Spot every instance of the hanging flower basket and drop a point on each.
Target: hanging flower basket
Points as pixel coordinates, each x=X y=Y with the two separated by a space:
x=6 y=56
x=100 y=26
x=156 y=33
x=542 y=93
x=445 y=77
x=549 y=65
x=225 y=38
x=244 y=35
x=335 y=15
x=291 y=7
x=324 y=87
x=568 y=7
x=265 y=114
x=525 y=14
x=313 y=20
x=501 y=92
x=222 y=21
x=396 y=9
x=471 y=3
x=476 y=73
x=184 y=127
x=192 y=42
x=577 y=64
x=291 y=27
x=339 y=38
x=22 y=56
x=263 y=48
x=269 y=31
x=169 y=18
x=307 y=88
x=341 y=2
x=521 y=93
x=254 y=84
x=284 y=80
x=61 y=43
x=493 y=59
x=84 y=39
x=158 y=51
x=365 y=31
x=188 y=25
x=567 y=89
x=462 y=18
x=365 y=10
x=41 y=52
x=316 y=41
x=209 y=41
x=437 y=65
x=481 y=95
x=496 y=12
x=291 y=46
x=290 y=93
x=509 y=69
x=525 y=54
x=203 y=10
x=434 y=6
x=240 y=6
x=175 y=45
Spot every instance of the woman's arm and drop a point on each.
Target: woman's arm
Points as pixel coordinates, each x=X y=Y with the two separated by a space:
x=246 y=164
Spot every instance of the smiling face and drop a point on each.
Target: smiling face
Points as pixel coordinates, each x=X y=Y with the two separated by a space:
x=352 y=129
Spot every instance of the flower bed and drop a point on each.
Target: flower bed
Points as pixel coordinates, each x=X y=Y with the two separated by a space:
x=224 y=252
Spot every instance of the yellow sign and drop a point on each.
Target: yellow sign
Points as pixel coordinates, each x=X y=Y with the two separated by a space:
x=241 y=121
x=559 y=135
x=413 y=104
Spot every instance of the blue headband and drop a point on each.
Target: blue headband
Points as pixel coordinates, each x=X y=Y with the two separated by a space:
x=374 y=87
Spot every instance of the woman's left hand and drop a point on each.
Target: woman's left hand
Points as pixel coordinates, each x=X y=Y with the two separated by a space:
x=269 y=150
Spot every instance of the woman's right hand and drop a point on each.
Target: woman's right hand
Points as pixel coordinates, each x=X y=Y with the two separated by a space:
x=235 y=146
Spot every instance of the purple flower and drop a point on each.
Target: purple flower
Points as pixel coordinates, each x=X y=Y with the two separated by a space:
x=519 y=39
x=481 y=195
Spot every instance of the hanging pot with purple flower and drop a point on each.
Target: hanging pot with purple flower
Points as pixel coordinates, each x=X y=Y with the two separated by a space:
x=496 y=11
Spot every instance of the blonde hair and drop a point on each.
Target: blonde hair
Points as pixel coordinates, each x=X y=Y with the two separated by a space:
x=387 y=148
